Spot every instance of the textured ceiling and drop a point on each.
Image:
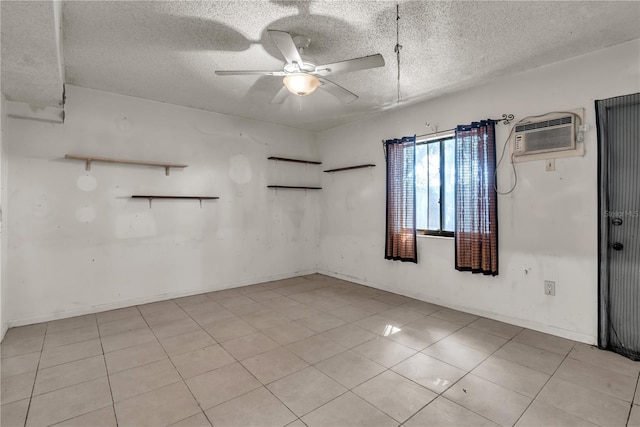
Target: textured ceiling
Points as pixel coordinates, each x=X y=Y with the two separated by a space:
x=168 y=51
x=30 y=70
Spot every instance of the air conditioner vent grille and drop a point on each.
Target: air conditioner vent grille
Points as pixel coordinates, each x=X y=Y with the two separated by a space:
x=550 y=140
x=544 y=124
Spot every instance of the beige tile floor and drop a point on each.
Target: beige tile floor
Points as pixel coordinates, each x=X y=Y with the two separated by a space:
x=312 y=351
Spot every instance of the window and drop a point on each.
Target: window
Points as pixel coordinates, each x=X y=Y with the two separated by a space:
x=435 y=186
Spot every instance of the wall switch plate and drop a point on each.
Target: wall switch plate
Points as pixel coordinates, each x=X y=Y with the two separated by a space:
x=550 y=165
x=549 y=287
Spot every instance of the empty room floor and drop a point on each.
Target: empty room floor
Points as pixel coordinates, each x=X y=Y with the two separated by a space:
x=313 y=351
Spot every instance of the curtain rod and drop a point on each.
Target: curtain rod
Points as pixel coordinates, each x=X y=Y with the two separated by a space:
x=506 y=119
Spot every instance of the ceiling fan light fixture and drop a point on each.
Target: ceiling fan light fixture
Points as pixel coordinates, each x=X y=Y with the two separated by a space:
x=301 y=84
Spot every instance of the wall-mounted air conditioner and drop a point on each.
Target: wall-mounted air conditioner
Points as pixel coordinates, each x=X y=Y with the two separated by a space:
x=549 y=136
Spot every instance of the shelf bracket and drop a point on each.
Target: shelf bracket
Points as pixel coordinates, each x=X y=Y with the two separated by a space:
x=88 y=165
x=167 y=170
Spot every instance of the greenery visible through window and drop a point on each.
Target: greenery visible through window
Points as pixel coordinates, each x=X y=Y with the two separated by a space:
x=435 y=186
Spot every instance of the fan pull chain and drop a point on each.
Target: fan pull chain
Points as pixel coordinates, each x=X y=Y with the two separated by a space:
x=398 y=46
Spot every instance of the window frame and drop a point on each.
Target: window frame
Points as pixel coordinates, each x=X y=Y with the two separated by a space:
x=439 y=139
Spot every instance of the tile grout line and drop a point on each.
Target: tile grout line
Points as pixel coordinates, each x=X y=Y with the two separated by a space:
x=106 y=322
x=71 y=343
x=35 y=377
x=377 y=336
x=240 y=363
x=66 y=387
x=565 y=357
x=62 y=388
x=310 y=365
x=293 y=373
x=390 y=368
x=232 y=356
x=113 y=402
x=545 y=384
x=173 y=364
x=328 y=401
x=84 y=382
x=380 y=409
x=633 y=399
x=76 y=360
x=75 y=328
x=236 y=361
x=379 y=298
x=277 y=398
x=441 y=394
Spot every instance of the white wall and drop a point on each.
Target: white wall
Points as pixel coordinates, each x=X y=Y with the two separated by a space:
x=79 y=244
x=73 y=249
x=547 y=226
x=4 y=171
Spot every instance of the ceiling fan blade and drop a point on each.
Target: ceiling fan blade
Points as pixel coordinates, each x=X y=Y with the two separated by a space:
x=338 y=91
x=366 y=62
x=250 y=73
x=280 y=96
x=286 y=46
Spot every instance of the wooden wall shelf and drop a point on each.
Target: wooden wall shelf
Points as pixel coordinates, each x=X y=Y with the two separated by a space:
x=286 y=159
x=88 y=159
x=369 y=165
x=150 y=197
x=144 y=196
x=291 y=187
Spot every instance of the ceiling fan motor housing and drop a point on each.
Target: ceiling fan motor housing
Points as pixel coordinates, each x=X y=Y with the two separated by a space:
x=308 y=64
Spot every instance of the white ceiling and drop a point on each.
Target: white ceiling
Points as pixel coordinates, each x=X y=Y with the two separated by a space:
x=168 y=51
x=30 y=71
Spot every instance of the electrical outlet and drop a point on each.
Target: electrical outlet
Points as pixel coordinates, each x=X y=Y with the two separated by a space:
x=550 y=165
x=550 y=288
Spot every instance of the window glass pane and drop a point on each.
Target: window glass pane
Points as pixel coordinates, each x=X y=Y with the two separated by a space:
x=407 y=220
x=434 y=186
x=428 y=186
x=422 y=187
x=449 y=214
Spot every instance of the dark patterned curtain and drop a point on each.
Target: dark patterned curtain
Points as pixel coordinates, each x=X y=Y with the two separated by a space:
x=476 y=231
x=401 y=200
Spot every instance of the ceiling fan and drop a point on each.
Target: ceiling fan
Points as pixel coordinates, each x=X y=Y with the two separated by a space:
x=301 y=75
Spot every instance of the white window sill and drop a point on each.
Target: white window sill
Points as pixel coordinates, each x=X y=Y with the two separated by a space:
x=433 y=236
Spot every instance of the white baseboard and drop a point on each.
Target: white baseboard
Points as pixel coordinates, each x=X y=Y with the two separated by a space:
x=548 y=329
x=145 y=300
